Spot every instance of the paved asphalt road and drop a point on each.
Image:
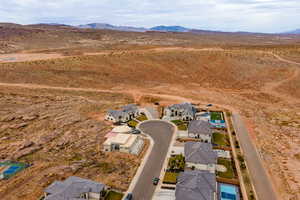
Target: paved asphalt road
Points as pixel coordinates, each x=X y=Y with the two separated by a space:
x=161 y=133
x=261 y=182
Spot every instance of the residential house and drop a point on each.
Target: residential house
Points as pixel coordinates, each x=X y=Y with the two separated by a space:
x=126 y=143
x=200 y=156
x=125 y=114
x=196 y=185
x=183 y=111
x=200 y=129
x=75 y=188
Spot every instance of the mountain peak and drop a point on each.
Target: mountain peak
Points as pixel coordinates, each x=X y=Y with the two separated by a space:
x=170 y=28
x=297 y=31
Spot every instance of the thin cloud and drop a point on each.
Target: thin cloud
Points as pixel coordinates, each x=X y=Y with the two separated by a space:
x=226 y=15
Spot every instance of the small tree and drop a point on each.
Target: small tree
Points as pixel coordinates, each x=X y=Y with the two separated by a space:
x=177 y=163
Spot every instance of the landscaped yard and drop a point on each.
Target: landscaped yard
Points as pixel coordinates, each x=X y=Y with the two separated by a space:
x=170 y=177
x=216 y=116
x=182 y=126
x=112 y=195
x=229 y=172
x=132 y=123
x=176 y=163
x=220 y=139
x=142 y=117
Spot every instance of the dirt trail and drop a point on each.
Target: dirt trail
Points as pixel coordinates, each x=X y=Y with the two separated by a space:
x=270 y=87
x=22 y=57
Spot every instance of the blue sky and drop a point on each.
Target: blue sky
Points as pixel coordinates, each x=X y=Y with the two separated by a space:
x=226 y=15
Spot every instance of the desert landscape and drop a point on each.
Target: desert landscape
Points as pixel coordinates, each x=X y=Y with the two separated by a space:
x=57 y=83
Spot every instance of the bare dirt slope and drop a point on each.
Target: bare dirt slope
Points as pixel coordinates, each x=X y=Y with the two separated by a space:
x=60 y=133
x=262 y=86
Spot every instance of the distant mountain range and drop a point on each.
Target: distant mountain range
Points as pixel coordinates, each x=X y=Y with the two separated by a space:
x=297 y=31
x=162 y=28
x=135 y=29
x=170 y=29
x=112 y=27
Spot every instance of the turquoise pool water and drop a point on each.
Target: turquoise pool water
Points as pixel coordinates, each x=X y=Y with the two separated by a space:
x=228 y=192
x=12 y=168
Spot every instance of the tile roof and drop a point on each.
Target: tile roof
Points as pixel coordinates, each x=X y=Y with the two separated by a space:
x=72 y=188
x=200 y=126
x=196 y=185
x=123 y=112
x=199 y=152
x=187 y=108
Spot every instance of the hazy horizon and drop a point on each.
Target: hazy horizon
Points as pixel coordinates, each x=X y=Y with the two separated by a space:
x=265 y=16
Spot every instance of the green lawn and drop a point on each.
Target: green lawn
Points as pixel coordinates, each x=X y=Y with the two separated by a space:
x=142 y=118
x=228 y=164
x=112 y=195
x=182 y=126
x=170 y=177
x=220 y=139
x=132 y=123
x=216 y=116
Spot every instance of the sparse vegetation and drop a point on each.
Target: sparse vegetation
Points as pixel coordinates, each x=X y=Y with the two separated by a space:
x=176 y=163
x=132 y=123
x=229 y=173
x=142 y=117
x=216 y=116
x=220 y=139
x=112 y=195
x=297 y=155
x=170 y=177
x=236 y=70
x=182 y=126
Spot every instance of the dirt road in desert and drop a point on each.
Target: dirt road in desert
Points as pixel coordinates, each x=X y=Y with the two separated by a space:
x=269 y=88
x=23 y=57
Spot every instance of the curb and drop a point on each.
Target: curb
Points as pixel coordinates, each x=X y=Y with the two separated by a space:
x=146 y=157
x=240 y=176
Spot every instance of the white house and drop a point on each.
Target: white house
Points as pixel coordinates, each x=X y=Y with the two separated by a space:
x=75 y=188
x=125 y=114
x=183 y=111
x=200 y=129
x=126 y=143
x=200 y=156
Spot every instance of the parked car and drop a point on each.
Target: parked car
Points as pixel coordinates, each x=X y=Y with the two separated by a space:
x=155 y=181
x=129 y=196
x=135 y=131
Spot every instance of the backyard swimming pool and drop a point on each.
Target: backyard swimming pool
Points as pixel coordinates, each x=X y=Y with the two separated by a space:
x=8 y=169
x=229 y=192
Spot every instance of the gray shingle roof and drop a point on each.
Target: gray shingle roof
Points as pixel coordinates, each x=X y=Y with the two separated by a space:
x=186 y=108
x=116 y=113
x=130 y=108
x=127 y=109
x=199 y=153
x=200 y=126
x=195 y=185
x=72 y=188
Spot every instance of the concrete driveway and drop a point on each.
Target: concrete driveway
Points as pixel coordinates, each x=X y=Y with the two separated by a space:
x=161 y=132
